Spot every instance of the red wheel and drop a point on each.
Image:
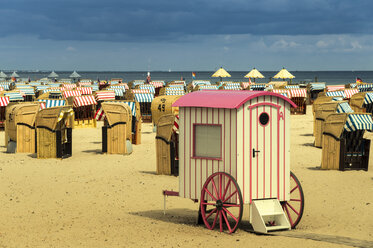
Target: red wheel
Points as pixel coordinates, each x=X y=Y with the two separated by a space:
x=295 y=206
x=221 y=202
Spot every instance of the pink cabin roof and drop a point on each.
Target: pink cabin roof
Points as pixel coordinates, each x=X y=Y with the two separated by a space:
x=228 y=99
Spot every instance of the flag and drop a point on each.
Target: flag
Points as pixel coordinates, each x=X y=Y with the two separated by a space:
x=358 y=80
x=193 y=75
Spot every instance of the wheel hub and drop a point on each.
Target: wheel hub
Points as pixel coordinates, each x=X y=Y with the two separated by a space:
x=219 y=204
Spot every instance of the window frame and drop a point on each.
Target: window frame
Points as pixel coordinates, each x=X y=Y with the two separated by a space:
x=194 y=142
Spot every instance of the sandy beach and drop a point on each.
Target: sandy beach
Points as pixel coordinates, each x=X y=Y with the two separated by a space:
x=98 y=200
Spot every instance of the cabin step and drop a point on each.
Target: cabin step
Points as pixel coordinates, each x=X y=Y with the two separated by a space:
x=268 y=215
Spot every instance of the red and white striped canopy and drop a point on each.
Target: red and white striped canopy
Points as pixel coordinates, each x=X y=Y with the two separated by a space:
x=335 y=87
x=69 y=93
x=298 y=92
x=124 y=84
x=157 y=84
x=280 y=91
x=105 y=95
x=42 y=105
x=84 y=83
x=4 y=101
x=85 y=90
x=1 y=89
x=80 y=101
x=56 y=89
x=350 y=92
x=140 y=91
x=69 y=86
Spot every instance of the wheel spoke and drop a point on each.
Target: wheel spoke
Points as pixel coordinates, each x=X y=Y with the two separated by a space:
x=288 y=214
x=291 y=191
x=213 y=211
x=229 y=197
x=292 y=208
x=216 y=191
x=231 y=205
x=220 y=222
x=298 y=200
x=208 y=192
x=226 y=222
x=226 y=188
x=208 y=203
x=220 y=185
x=214 y=223
x=226 y=210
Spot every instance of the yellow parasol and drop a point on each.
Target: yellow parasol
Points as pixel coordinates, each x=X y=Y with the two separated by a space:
x=254 y=73
x=221 y=73
x=283 y=74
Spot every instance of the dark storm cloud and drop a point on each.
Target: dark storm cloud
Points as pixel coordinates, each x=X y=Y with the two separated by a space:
x=152 y=20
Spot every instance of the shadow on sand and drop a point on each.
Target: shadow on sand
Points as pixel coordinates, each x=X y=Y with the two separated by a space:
x=96 y=151
x=308 y=144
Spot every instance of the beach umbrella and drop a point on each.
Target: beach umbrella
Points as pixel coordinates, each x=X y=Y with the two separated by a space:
x=53 y=75
x=284 y=74
x=254 y=73
x=3 y=75
x=75 y=75
x=221 y=73
x=14 y=75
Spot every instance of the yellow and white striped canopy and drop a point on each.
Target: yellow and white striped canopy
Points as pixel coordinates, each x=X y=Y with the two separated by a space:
x=284 y=74
x=221 y=73
x=254 y=73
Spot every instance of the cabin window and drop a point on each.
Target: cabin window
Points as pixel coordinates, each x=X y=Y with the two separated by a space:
x=264 y=119
x=207 y=141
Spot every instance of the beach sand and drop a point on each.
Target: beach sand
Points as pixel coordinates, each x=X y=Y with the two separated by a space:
x=98 y=200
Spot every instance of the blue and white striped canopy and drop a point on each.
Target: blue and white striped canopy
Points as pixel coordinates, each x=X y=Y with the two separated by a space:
x=232 y=87
x=34 y=83
x=354 y=85
x=368 y=99
x=151 y=88
x=5 y=85
x=54 y=84
x=336 y=93
x=199 y=82
x=94 y=87
x=344 y=107
x=29 y=91
x=137 y=82
x=143 y=97
x=285 y=94
x=118 y=92
x=176 y=86
x=365 y=87
x=208 y=87
x=292 y=87
x=356 y=122
x=42 y=87
x=14 y=96
x=317 y=86
x=258 y=86
x=49 y=103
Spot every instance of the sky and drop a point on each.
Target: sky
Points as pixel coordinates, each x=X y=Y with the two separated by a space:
x=187 y=35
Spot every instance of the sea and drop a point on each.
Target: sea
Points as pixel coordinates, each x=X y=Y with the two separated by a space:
x=329 y=77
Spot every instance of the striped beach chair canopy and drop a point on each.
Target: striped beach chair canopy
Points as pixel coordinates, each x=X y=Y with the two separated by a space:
x=100 y=115
x=317 y=86
x=365 y=87
x=144 y=97
x=340 y=93
x=85 y=90
x=69 y=86
x=93 y=87
x=65 y=80
x=1 y=88
x=81 y=101
x=292 y=86
x=105 y=95
x=141 y=91
x=34 y=83
x=335 y=87
x=200 y=82
x=301 y=92
x=232 y=87
x=157 y=84
x=344 y=107
x=350 y=92
x=4 y=101
x=149 y=87
x=55 y=85
x=5 y=85
x=85 y=83
x=356 y=122
x=258 y=87
x=125 y=85
x=179 y=82
x=279 y=91
x=14 y=96
x=175 y=92
x=118 y=92
x=69 y=93
x=50 y=103
x=208 y=87
x=353 y=85
x=137 y=82
x=113 y=82
x=176 y=87
x=28 y=91
x=53 y=89
x=368 y=99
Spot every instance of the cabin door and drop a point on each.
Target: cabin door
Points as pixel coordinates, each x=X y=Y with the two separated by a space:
x=264 y=144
